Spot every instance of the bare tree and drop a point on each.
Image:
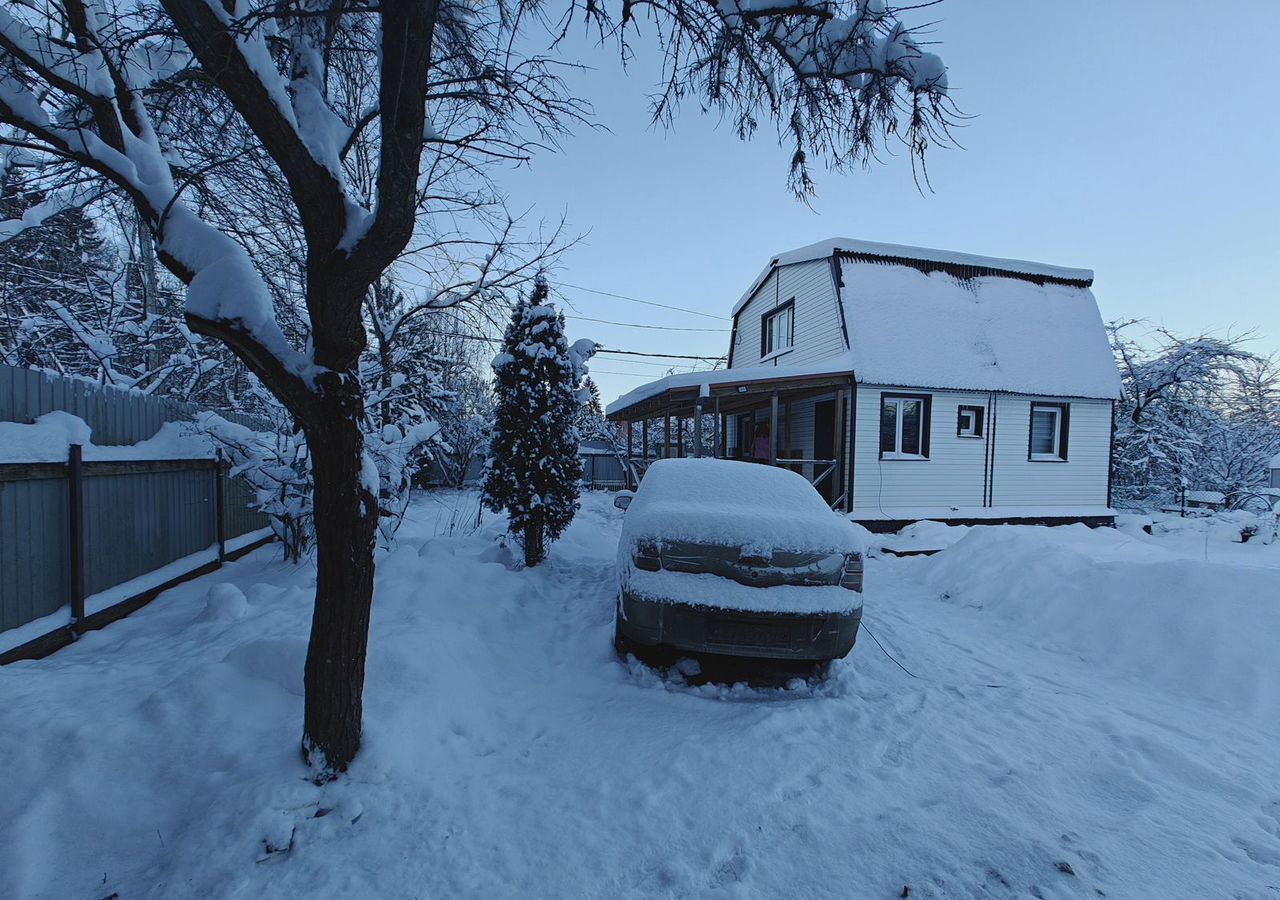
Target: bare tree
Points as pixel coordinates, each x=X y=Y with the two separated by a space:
x=196 y=110
x=1199 y=411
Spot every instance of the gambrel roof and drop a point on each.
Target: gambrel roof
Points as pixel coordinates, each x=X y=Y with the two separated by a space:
x=925 y=318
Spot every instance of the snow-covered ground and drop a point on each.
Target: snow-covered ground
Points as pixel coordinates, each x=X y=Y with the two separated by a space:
x=1094 y=714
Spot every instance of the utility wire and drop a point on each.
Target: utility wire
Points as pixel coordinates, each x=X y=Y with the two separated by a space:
x=710 y=359
x=489 y=340
x=596 y=371
x=637 y=325
x=694 y=312
x=886 y=652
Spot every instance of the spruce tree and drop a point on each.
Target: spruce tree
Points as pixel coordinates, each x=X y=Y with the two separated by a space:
x=533 y=471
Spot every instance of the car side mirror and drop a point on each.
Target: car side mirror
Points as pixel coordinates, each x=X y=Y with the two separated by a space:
x=623 y=499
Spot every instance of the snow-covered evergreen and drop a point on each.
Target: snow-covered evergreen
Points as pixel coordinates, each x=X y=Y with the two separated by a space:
x=533 y=471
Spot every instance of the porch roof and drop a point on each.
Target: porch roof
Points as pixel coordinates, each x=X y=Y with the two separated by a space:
x=677 y=394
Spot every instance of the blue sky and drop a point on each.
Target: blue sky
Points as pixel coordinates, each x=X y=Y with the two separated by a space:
x=1137 y=139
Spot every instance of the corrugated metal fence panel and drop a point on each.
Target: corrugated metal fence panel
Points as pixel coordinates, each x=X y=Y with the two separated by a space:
x=136 y=523
x=115 y=416
x=33 y=549
x=600 y=472
x=241 y=516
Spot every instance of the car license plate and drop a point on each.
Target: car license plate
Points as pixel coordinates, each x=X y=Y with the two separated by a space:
x=748 y=633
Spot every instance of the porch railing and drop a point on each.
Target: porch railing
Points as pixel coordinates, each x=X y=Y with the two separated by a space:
x=636 y=467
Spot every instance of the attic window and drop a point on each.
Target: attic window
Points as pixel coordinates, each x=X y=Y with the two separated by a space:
x=777 y=329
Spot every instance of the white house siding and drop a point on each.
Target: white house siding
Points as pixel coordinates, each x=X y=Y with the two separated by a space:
x=951 y=476
x=817 y=320
x=1081 y=481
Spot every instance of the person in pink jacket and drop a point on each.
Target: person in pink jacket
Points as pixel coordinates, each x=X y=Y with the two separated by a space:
x=760 y=446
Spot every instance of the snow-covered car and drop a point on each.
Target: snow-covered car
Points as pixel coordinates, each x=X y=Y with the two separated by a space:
x=738 y=559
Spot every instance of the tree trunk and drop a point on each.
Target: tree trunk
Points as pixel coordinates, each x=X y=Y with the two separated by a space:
x=534 y=549
x=345 y=523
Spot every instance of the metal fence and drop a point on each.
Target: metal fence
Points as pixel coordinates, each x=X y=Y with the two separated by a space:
x=603 y=472
x=73 y=529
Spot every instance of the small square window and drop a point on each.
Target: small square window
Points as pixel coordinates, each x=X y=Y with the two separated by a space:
x=969 y=421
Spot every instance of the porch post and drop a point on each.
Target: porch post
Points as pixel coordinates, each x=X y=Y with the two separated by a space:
x=722 y=441
x=680 y=436
x=644 y=438
x=697 y=428
x=837 y=477
x=626 y=423
x=773 y=428
x=666 y=434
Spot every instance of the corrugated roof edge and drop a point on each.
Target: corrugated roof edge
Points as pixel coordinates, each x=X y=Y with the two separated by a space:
x=840 y=364
x=906 y=254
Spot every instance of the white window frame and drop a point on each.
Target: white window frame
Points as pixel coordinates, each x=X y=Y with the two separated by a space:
x=785 y=311
x=972 y=429
x=1056 y=455
x=897 y=403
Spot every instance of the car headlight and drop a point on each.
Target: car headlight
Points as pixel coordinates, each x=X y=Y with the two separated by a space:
x=851 y=574
x=647 y=557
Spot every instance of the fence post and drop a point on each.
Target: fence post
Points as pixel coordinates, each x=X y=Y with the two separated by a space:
x=75 y=536
x=220 y=506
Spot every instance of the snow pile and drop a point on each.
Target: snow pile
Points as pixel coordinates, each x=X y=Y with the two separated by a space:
x=50 y=436
x=733 y=504
x=923 y=536
x=225 y=603
x=991 y=333
x=48 y=439
x=1127 y=607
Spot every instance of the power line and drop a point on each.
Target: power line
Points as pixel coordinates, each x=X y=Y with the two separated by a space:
x=595 y=371
x=489 y=340
x=710 y=359
x=637 y=325
x=694 y=312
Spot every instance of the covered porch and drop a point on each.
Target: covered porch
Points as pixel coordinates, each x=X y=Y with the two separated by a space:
x=720 y=414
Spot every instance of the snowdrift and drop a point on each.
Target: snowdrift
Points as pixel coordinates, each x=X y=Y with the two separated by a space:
x=1193 y=628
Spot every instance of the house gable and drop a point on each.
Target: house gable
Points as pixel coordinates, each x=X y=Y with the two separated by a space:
x=816 y=330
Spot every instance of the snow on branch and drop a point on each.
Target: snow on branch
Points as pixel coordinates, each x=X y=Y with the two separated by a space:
x=837 y=77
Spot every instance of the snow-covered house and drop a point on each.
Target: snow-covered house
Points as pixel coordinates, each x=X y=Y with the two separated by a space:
x=909 y=383
x=1274 y=468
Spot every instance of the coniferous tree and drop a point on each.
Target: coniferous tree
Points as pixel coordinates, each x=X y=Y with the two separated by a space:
x=533 y=471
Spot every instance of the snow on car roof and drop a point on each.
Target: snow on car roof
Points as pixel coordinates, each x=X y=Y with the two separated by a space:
x=735 y=504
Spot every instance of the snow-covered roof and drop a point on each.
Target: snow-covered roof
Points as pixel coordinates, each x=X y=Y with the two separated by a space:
x=841 y=364
x=1275 y=462
x=824 y=249
x=1205 y=497
x=994 y=333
